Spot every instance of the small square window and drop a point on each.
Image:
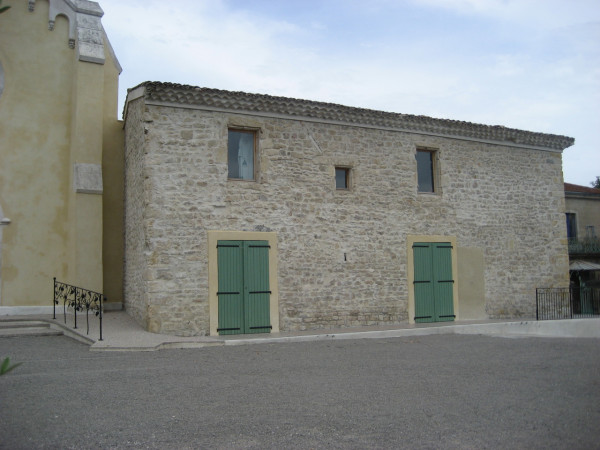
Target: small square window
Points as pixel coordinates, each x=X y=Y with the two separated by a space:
x=342 y=178
x=241 y=150
x=426 y=171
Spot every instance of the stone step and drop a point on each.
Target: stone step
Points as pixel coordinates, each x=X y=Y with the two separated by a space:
x=27 y=328
x=23 y=324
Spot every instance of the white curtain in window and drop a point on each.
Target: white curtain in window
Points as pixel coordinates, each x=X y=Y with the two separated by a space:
x=246 y=156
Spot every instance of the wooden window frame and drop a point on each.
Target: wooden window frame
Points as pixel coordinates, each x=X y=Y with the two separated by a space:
x=435 y=178
x=572 y=217
x=254 y=132
x=347 y=171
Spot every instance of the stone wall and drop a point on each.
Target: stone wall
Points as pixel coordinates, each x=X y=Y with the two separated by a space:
x=342 y=254
x=136 y=261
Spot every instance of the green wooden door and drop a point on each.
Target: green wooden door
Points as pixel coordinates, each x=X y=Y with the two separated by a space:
x=244 y=293
x=423 y=283
x=433 y=282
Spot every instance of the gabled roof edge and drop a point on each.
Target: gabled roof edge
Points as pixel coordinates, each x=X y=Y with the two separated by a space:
x=174 y=94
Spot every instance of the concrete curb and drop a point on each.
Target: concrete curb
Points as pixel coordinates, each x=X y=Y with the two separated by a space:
x=126 y=336
x=573 y=328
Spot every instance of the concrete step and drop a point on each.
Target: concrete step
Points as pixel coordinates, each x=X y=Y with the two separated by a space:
x=15 y=328
x=23 y=324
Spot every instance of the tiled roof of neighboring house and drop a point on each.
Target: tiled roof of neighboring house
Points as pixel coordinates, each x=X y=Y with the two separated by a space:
x=174 y=94
x=581 y=189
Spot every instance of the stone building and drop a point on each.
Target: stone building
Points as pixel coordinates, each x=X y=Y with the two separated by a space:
x=252 y=213
x=61 y=154
x=582 y=208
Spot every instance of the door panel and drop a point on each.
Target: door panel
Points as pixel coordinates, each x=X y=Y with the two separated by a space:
x=433 y=283
x=256 y=287
x=444 y=283
x=230 y=293
x=244 y=293
x=423 y=283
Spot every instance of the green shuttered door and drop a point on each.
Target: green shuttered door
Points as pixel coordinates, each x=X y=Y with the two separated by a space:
x=433 y=282
x=244 y=293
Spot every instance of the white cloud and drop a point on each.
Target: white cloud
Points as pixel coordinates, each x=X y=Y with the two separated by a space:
x=536 y=66
x=532 y=13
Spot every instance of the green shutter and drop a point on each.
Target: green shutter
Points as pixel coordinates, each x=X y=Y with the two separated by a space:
x=256 y=287
x=443 y=282
x=230 y=293
x=423 y=283
x=244 y=292
x=433 y=282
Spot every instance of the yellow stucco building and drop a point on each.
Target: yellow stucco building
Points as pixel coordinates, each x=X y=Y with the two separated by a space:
x=61 y=153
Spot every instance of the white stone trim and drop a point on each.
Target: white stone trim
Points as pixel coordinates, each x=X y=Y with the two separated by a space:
x=87 y=178
x=85 y=26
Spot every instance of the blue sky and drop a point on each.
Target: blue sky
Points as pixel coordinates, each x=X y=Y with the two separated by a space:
x=528 y=64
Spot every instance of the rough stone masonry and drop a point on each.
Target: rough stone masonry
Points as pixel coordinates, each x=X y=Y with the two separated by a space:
x=342 y=254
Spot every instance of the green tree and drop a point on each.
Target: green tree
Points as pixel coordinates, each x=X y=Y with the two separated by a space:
x=596 y=183
x=3 y=8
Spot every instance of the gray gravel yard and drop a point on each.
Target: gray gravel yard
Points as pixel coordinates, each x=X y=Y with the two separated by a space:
x=439 y=391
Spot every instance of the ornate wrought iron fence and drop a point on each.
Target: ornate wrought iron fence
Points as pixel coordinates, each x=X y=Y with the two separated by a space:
x=79 y=300
x=567 y=303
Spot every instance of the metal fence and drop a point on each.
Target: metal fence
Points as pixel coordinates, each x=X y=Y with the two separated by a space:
x=584 y=246
x=567 y=303
x=79 y=300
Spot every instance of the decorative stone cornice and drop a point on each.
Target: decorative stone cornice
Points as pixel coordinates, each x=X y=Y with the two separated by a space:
x=85 y=26
x=172 y=94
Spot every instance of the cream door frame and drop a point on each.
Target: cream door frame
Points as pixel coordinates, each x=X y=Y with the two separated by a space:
x=410 y=241
x=213 y=272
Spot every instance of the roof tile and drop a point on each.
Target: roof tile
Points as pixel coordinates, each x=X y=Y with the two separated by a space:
x=242 y=101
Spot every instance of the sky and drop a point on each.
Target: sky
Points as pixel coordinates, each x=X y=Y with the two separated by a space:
x=527 y=64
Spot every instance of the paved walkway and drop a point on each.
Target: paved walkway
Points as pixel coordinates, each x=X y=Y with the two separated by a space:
x=424 y=392
x=121 y=333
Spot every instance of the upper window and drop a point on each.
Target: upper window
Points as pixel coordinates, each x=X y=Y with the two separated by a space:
x=571 y=225
x=590 y=232
x=342 y=178
x=240 y=154
x=426 y=171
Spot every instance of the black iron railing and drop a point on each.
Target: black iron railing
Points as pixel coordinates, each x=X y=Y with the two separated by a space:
x=584 y=246
x=79 y=300
x=567 y=303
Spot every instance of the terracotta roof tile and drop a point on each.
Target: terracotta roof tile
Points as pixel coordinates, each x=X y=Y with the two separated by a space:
x=259 y=103
x=582 y=189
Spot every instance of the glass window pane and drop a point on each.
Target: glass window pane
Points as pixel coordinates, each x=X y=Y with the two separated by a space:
x=571 y=226
x=341 y=178
x=425 y=171
x=240 y=155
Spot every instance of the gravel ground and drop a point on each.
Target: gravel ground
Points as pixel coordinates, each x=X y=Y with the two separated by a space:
x=441 y=391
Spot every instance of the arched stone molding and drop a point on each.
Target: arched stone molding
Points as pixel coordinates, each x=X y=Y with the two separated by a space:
x=85 y=27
